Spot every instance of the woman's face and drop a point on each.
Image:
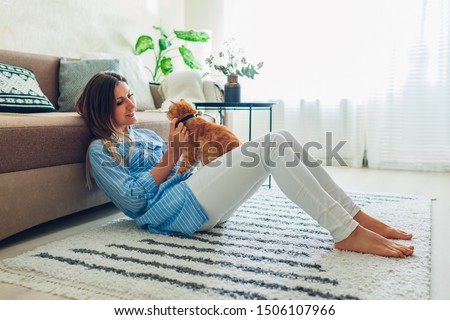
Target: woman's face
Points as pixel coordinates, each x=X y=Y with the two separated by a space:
x=125 y=106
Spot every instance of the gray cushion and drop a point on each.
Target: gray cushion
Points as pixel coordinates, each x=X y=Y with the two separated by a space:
x=20 y=92
x=74 y=75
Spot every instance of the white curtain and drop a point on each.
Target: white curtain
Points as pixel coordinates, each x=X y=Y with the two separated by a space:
x=410 y=119
x=375 y=73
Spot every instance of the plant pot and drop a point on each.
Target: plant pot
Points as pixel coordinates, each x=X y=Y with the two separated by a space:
x=232 y=89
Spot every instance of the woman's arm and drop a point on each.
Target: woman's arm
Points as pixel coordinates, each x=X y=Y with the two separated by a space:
x=178 y=136
x=128 y=192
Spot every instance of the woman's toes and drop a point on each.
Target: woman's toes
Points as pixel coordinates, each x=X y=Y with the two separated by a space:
x=405 y=236
x=397 y=253
x=406 y=250
x=398 y=234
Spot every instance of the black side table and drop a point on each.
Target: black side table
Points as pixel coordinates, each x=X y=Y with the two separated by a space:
x=245 y=106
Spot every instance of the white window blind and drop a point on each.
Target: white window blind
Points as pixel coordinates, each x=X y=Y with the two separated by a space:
x=375 y=73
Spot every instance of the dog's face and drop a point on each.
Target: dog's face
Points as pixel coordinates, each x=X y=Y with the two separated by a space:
x=180 y=110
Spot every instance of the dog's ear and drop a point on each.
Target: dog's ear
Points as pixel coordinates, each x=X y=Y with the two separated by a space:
x=170 y=111
x=182 y=100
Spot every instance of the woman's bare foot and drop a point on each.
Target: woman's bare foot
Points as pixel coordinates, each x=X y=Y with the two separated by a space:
x=379 y=227
x=365 y=241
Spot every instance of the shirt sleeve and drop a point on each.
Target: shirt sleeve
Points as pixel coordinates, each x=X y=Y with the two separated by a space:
x=127 y=191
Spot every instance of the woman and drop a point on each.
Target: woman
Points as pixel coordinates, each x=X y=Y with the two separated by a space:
x=137 y=171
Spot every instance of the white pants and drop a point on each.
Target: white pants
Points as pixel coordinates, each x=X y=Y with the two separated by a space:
x=227 y=182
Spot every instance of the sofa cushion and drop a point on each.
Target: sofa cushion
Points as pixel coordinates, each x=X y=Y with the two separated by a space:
x=20 y=92
x=74 y=75
x=39 y=140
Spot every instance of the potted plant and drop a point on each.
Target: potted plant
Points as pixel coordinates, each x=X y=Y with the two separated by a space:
x=163 y=59
x=232 y=63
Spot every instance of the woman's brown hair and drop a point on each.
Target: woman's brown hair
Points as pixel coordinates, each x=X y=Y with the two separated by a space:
x=96 y=105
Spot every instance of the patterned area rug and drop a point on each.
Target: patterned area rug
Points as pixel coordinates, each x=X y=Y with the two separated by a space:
x=269 y=250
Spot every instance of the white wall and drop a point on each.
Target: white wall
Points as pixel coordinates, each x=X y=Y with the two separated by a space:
x=67 y=28
x=172 y=14
x=208 y=16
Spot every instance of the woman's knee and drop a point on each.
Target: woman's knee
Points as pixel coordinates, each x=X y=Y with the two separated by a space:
x=276 y=137
x=286 y=134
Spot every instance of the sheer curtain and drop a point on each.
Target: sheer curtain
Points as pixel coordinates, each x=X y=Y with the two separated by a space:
x=374 y=73
x=410 y=127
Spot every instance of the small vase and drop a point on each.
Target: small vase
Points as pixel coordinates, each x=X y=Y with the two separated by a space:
x=232 y=89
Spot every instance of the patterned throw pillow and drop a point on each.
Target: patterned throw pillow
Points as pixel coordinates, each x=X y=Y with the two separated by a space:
x=20 y=92
x=74 y=75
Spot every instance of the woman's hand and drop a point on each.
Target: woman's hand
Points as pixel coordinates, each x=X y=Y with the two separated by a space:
x=178 y=138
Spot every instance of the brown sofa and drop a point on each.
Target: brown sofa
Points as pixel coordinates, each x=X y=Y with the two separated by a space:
x=42 y=169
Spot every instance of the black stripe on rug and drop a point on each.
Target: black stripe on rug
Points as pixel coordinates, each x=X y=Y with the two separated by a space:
x=225 y=263
x=251 y=257
x=189 y=285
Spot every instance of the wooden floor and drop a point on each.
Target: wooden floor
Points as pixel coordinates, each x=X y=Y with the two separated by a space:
x=433 y=185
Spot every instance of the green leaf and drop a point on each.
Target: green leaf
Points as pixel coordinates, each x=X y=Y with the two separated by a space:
x=143 y=44
x=189 y=59
x=164 y=44
x=191 y=35
x=161 y=31
x=249 y=71
x=166 y=65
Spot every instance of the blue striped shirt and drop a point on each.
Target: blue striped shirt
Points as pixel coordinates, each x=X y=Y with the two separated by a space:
x=169 y=208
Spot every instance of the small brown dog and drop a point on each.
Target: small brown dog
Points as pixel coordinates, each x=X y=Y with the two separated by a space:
x=207 y=140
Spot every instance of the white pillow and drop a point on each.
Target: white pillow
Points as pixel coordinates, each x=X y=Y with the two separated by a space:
x=132 y=68
x=178 y=85
x=211 y=90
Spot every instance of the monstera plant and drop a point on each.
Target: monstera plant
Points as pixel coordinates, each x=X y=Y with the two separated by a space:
x=165 y=50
